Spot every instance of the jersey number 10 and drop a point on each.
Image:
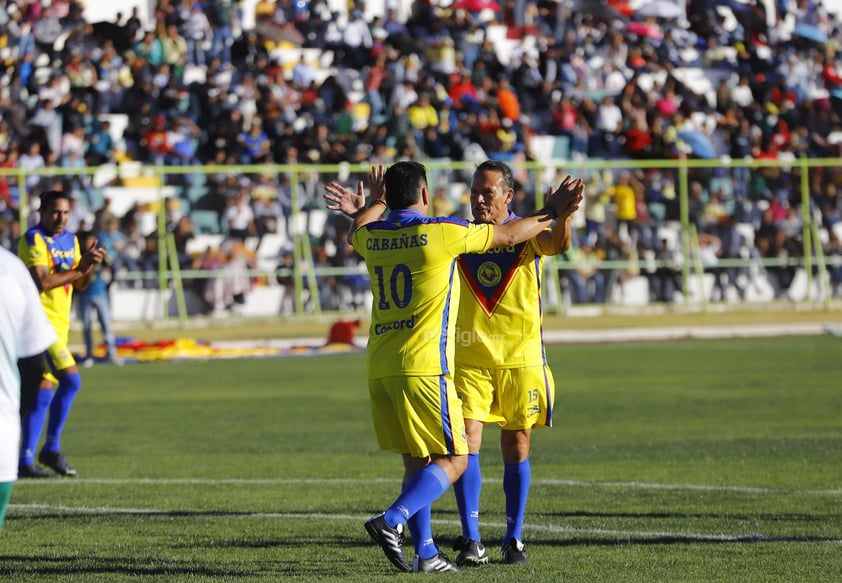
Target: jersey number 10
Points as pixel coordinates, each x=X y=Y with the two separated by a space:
x=400 y=286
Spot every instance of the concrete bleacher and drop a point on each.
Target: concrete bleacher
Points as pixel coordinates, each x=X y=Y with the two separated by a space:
x=123 y=198
x=268 y=252
x=203 y=241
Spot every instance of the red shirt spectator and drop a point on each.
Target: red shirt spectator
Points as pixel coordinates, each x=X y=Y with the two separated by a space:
x=463 y=92
x=830 y=74
x=155 y=138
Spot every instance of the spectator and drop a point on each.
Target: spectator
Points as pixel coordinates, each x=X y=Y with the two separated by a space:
x=268 y=212
x=197 y=32
x=284 y=277
x=49 y=123
x=149 y=49
x=666 y=279
x=357 y=41
x=31 y=160
x=220 y=17
x=624 y=195
x=173 y=48
x=587 y=282
x=255 y=146
x=103 y=216
x=182 y=234
x=729 y=250
x=96 y=298
x=46 y=30
x=228 y=288
x=239 y=215
x=82 y=77
x=100 y=144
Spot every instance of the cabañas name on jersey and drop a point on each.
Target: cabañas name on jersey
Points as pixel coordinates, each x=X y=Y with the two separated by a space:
x=394 y=243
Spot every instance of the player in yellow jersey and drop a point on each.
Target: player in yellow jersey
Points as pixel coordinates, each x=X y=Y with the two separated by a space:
x=57 y=265
x=501 y=371
x=411 y=259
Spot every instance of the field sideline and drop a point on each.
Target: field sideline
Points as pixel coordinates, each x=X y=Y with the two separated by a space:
x=579 y=323
x=691 y=460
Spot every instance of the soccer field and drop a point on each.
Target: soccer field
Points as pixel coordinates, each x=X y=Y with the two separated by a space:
x=696 y=460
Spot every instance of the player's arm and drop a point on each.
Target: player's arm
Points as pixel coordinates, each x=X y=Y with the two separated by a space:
x=560 y=204
x=45 y=281
x=556 y=240
x=79 y=277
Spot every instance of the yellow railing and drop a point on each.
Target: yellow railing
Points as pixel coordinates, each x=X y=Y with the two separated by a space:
x=537 y=173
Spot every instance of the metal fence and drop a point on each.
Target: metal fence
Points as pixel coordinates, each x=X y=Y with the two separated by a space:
x=302 y=230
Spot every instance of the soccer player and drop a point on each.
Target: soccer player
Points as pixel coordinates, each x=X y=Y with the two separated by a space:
x=25 y=334
x=411 y=261
x=57 y=265
x=501 y=371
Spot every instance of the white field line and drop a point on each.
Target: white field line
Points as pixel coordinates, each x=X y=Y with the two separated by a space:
x=326 y=481
x=625 y=534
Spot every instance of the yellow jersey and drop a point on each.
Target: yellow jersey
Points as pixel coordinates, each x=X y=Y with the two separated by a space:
x=500 y=318
x=411 y=260
x=58 y=253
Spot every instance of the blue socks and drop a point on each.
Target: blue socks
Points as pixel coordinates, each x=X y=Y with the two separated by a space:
x=467 y=489
x=413 y=507
x=516 y=478
x=422 y=489
x=421 y=529
x=68 y=386
x=31 y=426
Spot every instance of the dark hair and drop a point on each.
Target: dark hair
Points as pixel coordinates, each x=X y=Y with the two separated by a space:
x=404 y=181
x=50 y=196
x=502 y=168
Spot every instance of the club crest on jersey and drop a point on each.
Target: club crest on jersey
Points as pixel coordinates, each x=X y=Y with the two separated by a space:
x=489 y=274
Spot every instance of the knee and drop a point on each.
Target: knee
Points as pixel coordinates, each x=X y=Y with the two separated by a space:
x=71 y=383
x=515 y=445
x=459 y=463
x=453 y=465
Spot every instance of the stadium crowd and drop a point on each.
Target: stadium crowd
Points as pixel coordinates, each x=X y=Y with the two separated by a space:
x=466 y=80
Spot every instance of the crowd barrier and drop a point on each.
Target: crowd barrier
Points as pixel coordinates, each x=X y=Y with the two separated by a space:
x=150 y=186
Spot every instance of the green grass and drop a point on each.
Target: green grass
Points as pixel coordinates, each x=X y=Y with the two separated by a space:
x=698 y=460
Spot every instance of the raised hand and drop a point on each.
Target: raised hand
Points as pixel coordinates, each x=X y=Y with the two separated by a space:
x=567 y=198
x=343 y=200
x=93 y=255
x=378 y=182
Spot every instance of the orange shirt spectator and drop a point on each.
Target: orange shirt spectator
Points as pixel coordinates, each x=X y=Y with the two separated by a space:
x=507 y=101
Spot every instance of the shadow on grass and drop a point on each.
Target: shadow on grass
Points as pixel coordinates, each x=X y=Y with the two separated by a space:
x=681 y=540
x=20 y=565
x=772 y=517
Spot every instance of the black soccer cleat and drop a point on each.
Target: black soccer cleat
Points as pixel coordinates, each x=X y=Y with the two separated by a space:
x=514 y=553
x=472 y=553
x=390 y=540
x=438 y=564
x=55 y=460
x=33 y=471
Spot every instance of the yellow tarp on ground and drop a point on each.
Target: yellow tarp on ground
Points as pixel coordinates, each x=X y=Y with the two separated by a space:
x=133 y=350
